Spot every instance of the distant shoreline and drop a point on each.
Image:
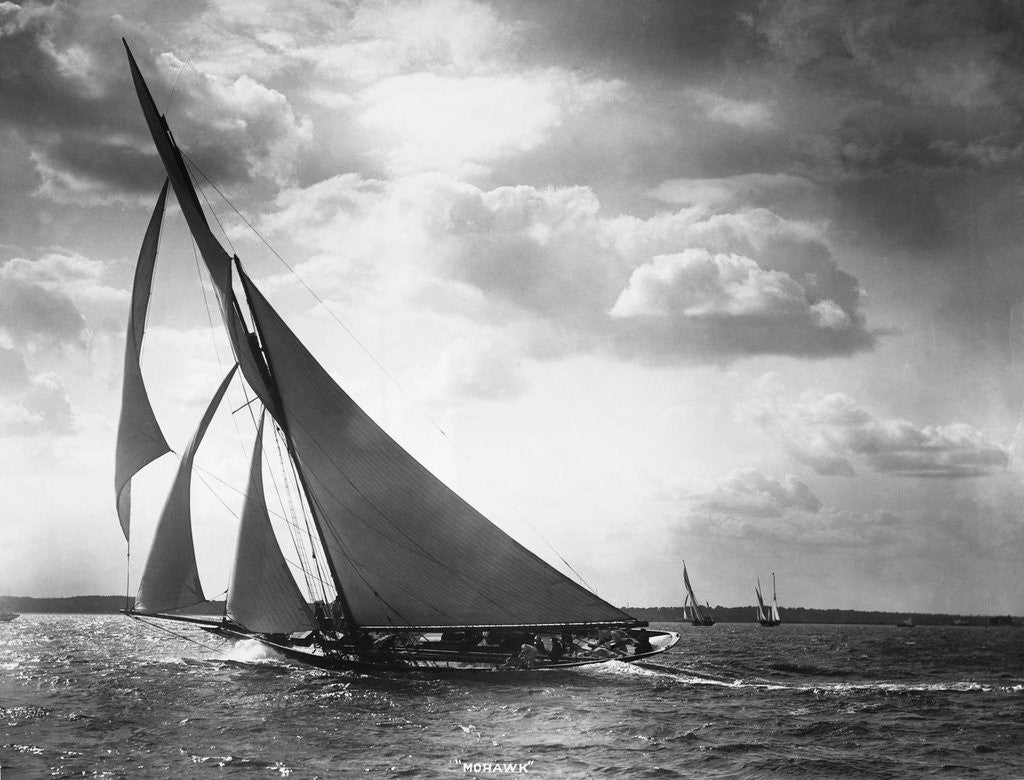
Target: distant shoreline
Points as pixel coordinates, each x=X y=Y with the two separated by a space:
x=837 y=616
x=102 y=605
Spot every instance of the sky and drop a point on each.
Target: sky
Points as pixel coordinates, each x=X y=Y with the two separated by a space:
x=734 y=283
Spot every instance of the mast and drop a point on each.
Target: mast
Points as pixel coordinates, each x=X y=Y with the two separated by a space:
x=410 y=551
x=350 y=622
x=252 y=358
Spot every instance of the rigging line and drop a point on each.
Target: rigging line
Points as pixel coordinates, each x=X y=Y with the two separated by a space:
x=217 y=496
x=174 y=86
x=358 y=570
x=242 y=493
x=166 y=630
x=213 y=338
x=209 y=205
x=206 y=302
x=289 y=508
x=312 y=539
x=411 y=543
x=384 y=370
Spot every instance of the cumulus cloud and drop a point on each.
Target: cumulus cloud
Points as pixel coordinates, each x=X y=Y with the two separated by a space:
x=695 y=284
x=748 y=505
x=36 y=313
x=475 y=368
x=678 y=285
x=67 y=95
x=831 y=433
x=781 y=193
x=235 y=117
x=31 y=405
x=746 y=114
x=42 y=301
x=438 y=122
x=897 y=73
x=749 y=492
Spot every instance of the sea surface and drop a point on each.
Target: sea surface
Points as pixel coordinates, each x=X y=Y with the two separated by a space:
x=105 y=696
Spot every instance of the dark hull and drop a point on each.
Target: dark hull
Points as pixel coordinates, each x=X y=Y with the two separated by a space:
x=769 y=623
x=438 y=661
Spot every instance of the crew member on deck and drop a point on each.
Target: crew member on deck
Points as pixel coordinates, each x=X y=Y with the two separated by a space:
x=643 y=642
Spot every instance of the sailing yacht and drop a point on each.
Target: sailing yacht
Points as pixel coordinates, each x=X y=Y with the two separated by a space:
x=767 y=616
x=398 y=571
x=692 y=610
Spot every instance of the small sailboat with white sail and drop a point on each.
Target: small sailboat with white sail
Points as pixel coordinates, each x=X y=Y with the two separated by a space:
x=767 y=617
x=397 y=571
x=693 y=612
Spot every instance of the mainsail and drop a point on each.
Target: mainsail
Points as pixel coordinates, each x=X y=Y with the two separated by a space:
x=407 y=549
x=767 y=616
x=170 y=579
x=759 y=613
x=697 y=613
x=404 y=550
x=139 y=438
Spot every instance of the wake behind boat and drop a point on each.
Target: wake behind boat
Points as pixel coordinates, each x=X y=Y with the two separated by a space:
x=398 y=571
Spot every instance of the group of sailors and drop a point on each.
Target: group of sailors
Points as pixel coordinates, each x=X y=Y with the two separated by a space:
x=525 y=651
x=520 y=649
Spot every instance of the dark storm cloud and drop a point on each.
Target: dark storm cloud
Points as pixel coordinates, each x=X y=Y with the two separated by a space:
x=66 y=91
x=642 y=38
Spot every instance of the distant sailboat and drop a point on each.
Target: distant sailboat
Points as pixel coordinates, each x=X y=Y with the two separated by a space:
x=692 y=610
x=399 y=572
x=907 y=623
x=766 y=616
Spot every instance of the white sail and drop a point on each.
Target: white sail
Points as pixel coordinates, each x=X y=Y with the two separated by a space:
x=263 y=596
x=139 y=438
x=697 y=611
x=760 y=603
x=170 y=579
x=776 y=616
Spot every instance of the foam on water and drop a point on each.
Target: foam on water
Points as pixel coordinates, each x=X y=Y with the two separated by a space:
x=734 y=701
x=251 y=651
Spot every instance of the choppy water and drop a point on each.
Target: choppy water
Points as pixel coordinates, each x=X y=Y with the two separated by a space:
x=103 y=696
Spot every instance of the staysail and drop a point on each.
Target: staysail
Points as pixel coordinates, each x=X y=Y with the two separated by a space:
x=139 y=438
x=170 y=579
x=404 y=549
x=263 y=595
